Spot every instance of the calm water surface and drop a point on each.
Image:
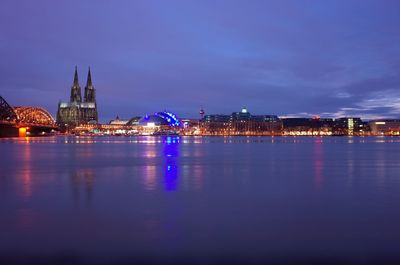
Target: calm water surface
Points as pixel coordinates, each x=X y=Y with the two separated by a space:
x=203 y=198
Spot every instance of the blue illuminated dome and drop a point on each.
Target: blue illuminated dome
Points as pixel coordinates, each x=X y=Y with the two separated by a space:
x=152 y=119
x=170 y=118
x=160 y=118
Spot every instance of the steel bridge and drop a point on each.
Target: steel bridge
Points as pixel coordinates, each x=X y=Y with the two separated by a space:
x=24 y=120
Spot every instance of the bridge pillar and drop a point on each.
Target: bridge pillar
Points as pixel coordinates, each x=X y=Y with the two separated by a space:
x=22 y=132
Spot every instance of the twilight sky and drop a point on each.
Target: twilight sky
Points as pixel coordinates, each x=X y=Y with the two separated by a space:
x=331 y=58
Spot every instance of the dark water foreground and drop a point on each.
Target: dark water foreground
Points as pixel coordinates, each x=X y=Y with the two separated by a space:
x=169 y=200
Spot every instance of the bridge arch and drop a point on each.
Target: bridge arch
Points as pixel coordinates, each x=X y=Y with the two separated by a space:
x=34 y=116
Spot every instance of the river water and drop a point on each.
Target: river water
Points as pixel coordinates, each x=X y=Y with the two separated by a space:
x=199 y=199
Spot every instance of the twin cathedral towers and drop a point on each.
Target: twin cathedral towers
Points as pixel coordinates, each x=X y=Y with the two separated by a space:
x=76 y=111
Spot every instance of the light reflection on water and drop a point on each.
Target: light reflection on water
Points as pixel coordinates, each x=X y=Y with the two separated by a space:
x=318 y=162
x=193 y=195
x=24 y=177
x=150 y=178
x=82 y=184
x=171 y=158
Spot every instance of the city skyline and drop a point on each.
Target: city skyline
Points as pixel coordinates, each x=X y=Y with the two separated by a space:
x=285 y=58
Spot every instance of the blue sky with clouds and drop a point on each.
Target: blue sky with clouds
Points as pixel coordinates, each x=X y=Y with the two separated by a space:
x=330 y=58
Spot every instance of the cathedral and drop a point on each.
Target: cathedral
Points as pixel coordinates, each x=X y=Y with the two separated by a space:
x=76 y=111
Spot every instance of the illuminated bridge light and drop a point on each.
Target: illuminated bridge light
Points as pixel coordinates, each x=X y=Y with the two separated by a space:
x=34 y=115
x=22 y=132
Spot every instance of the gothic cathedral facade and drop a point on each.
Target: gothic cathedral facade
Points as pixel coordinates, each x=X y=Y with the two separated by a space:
x=76 y=111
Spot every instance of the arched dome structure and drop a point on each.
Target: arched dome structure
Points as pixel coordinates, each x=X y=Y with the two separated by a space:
x=163 y=118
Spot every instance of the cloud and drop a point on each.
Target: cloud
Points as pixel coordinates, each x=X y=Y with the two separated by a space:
x=306 y=57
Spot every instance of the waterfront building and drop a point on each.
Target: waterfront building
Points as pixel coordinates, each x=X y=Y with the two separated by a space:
x=134 y=121
x=214 y=124
x=78 y=111
x=118 y=121
x=385 y=127
x=162 y=118
x=189 y=123
x=159 y=122
x=350 y=126
x=307 y=126
x=239 y=123
x=242 y=115
x=217 y=118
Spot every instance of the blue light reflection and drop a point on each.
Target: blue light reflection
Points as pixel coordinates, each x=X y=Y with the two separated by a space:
x=171 y=158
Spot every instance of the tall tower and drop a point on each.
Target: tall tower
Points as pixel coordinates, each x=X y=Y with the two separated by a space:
x=76 y=89
x=89 y=112
x=202 y=112
x=90 y=92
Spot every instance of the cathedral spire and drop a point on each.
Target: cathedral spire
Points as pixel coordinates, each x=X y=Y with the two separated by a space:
x=76 y=81
x=76 y=89
x=89 y=79
x=90 y=93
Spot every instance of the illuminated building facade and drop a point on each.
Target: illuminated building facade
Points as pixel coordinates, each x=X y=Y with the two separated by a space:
x=118 y=121
x=307 y=126
x=163 y=118
x=385 y=127
x=217 y=118
x=242 y=122
x=350 y=126
x=134 y=121
x=160 y=123
x=78 y=111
